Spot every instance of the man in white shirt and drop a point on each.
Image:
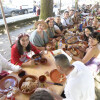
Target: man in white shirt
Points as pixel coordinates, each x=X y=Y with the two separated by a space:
x=66 y=21
x=59 y=28
x=80 y=82
x=71 y=13
x=5 y=65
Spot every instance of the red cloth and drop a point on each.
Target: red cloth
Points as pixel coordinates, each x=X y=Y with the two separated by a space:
x=98 y=30
x=3 y=74
x=15 y=56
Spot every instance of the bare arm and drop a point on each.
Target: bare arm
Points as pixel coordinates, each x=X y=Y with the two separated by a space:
x=58 y=31
x=28 y=63
x=87 y=57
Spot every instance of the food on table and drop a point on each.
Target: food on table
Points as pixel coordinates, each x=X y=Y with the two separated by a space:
x=55 y=54
x=82 y=44
x=56 y=76
x=72 y=39
x=29 y=85
x=69 y=41
x=7 y=84
x=29 y=79
x=47 y=73
x=36 y=57
x=72 y=29
x=43 y=60
x=42 y=81
x=73 y=51
x=15 y=90
x=42 y=78
x=61 y=78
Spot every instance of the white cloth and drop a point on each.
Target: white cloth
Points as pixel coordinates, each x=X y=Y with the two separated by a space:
x=84 y=14
x=56 y=27
x=5 y=65
x=80 y=83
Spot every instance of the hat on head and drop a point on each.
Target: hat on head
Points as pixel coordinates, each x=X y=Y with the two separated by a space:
x=41 y=22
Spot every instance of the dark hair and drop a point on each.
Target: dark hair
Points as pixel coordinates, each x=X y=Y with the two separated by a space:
x=91 y=30
x=58 y=16
x=62 y=60
x=19 y=46
x=49 y=21
x=41 y=95
x=72 y=10
x=66 y=11
x=95 y=35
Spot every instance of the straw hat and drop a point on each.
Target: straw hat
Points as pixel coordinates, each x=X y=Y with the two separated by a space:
x=41 y=22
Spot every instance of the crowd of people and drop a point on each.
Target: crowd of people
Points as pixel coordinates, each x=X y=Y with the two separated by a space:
x=80 y=74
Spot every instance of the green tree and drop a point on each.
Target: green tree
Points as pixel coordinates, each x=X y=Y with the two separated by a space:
x=46 y=9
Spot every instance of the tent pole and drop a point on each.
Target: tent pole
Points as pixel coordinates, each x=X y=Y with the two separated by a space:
x=6 y=27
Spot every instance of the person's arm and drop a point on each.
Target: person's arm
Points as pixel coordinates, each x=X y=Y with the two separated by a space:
x=8 y=66
x=28 y=63
x=34 y=49
x=15 y=56
x=87 y=57
x=57 y=29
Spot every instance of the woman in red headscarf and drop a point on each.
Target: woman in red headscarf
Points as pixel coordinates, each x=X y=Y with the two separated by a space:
x=20 y=50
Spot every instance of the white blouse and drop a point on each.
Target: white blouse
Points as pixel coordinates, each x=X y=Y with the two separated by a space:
x=5 y=65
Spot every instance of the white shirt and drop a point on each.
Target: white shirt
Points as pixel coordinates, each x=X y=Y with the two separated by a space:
x=67 y=21
x=5 y=65
x=56 y=27
x=80 y=83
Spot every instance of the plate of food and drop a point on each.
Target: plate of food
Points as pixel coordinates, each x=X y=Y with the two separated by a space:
x=36 y=57
x=82 y=44
x=28 y=84
x=56 y=76
x=43 y=60
x=7 y=83
x=73 y=50
x=71 y=40
x=60 y=51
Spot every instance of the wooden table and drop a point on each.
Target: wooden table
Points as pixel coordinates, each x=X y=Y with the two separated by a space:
x=38 y=70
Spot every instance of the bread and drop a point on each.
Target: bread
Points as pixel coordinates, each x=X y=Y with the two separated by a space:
x=29 y=79
x=28 y=85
